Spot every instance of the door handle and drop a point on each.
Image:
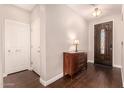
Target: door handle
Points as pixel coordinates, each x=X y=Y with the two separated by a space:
x=110 y=46
x=18 y=50
x=38 y=51
x=9 y=51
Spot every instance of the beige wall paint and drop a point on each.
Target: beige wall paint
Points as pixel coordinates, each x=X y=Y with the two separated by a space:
x=35 y=13
x=117 y=28
x=63 y=25
x=43 y=41
x=13 y=13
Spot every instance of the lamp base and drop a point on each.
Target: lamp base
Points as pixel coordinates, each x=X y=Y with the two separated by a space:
x=76 y=48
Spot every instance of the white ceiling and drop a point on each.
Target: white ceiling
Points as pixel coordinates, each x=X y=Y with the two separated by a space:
x=27 y=7
x=86 y=9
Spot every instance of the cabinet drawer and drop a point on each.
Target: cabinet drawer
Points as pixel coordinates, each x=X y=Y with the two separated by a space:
x=82 y=60
x=82 y=56
x=73 y=62
x=82 y=63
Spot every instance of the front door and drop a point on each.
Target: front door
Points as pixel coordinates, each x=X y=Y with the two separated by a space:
x=103 y=43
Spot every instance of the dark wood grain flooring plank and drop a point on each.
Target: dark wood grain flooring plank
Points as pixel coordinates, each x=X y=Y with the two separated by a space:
x=96 y=76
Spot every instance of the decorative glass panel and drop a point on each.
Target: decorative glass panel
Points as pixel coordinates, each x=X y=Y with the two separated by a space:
x=102 y=41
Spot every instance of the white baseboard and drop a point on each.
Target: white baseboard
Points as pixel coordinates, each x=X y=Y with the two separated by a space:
x=4 y=75
x=30 y=68
x=117 y=66
x=90 y=61
x=45 y=83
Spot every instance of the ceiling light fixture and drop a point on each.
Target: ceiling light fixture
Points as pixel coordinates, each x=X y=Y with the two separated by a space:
x=97 y=12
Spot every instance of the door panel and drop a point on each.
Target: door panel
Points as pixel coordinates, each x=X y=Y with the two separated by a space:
x=17 y=46
x=103 y=43
x=35 y=45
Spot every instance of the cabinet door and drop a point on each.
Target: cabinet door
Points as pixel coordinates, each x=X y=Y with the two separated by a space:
x=81 y=58
x=74 y=63
x=66 y=65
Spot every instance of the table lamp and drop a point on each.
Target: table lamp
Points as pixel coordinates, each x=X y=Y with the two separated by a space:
x=76 y=43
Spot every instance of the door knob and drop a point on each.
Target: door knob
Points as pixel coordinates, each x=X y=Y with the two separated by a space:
x=110 y=46
x=18 y=50
x=9 y=51
x=38 y=51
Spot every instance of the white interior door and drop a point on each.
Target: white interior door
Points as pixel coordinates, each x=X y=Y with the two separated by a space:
x=17 y=46
x=35 y=45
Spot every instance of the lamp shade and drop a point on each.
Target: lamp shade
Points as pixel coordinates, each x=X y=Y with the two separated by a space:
x=76 y=42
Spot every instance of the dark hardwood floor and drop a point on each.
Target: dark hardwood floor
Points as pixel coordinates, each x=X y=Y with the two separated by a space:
x=96 y=76
x=23 y=79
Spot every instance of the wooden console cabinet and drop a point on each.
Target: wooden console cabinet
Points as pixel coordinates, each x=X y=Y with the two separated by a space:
x=74 y=62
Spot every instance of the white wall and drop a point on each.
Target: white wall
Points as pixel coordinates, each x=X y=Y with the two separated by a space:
x=43 y=41
x=63 y=25
x=35 y=14
x=117 y=28
x=14 y=13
